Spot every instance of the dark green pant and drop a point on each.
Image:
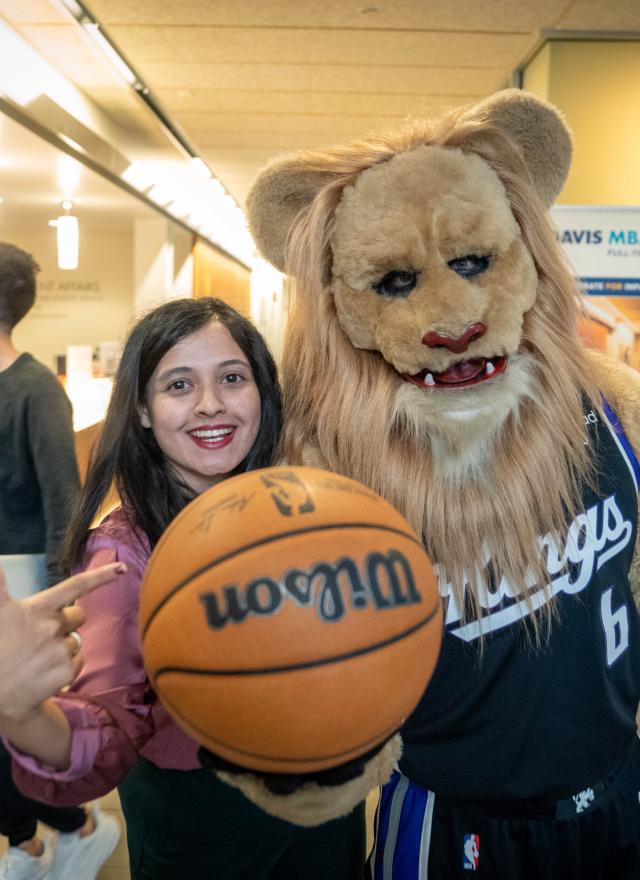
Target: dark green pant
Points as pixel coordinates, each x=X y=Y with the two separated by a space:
x=187 y=825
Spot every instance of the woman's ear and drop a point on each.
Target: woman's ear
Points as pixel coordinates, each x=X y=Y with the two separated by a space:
x=145 y=421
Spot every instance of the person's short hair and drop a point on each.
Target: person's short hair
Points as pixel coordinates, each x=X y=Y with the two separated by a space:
x=18 y=271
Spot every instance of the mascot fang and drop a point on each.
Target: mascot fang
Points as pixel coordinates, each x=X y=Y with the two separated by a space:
x=432 y=353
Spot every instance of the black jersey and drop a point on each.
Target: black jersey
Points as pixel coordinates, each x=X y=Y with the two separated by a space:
x=516 y=721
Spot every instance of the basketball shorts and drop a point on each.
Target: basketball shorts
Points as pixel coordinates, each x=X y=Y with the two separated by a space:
x=593 y=835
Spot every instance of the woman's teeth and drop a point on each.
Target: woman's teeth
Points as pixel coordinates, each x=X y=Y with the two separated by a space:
x=213 y=434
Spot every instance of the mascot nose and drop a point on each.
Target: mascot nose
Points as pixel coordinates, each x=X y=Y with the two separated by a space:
x=456 y=345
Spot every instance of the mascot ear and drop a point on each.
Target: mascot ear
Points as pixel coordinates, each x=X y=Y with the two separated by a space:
x=281 y=191
x=540 y=133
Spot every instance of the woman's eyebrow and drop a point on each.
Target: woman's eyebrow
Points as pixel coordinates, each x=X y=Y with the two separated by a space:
x=173 y=371
x=232 y=362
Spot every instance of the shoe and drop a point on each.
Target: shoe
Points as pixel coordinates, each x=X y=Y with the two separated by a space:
x=16 y=864
x=80 y=858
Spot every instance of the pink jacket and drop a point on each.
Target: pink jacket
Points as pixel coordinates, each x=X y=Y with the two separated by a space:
x=114 y=714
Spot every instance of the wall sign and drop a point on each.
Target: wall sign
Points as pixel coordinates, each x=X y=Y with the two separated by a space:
x=603 y=246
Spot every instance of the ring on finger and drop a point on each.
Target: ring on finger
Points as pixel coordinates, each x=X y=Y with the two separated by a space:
x=78 y=642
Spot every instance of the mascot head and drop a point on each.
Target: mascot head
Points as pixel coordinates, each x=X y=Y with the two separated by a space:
x=432 y=350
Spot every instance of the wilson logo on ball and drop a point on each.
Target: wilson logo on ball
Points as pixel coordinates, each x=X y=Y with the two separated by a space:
x=385 y=582
x=276 y=609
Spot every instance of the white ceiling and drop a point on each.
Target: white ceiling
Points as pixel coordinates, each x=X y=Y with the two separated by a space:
x=248 y=79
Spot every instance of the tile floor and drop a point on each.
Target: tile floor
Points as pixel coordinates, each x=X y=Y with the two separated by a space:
x=117 y=868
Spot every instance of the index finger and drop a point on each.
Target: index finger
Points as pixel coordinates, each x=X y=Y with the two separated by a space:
x=78 y=585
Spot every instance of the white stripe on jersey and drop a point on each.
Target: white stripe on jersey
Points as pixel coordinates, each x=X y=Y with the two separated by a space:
x=394 y=824
x=425 y=838
x=623 y=451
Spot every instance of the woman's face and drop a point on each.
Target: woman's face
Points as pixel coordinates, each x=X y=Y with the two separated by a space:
x=203 y=406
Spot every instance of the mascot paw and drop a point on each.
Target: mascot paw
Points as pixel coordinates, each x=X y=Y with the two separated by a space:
x=311 y=798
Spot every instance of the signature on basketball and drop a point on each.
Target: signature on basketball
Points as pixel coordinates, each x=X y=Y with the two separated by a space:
x=385 y=581
x=233 y=502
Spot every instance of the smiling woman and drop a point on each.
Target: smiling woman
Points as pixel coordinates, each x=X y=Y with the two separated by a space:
x=203 y=406
x=196 y=398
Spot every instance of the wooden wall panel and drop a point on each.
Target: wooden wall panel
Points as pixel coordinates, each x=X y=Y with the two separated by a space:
x=214 y=274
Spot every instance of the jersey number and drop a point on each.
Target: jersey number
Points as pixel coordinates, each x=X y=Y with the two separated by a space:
x=616 y=627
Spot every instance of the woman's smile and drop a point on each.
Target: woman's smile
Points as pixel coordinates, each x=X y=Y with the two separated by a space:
x=203 y=406
x=213 y=437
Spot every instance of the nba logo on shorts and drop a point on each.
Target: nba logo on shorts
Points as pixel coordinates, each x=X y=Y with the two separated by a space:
x=471 y=853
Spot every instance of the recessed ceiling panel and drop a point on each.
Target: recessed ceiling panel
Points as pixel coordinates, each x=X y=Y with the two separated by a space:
x=308 y=46
x=594 y=15
x=424 y=79
x=369 y=14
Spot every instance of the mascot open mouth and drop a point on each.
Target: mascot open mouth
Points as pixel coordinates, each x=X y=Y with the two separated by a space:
x=464 y=374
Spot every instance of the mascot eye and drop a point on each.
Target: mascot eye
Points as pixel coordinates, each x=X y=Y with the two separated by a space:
x=470 y=265
x=396 y=284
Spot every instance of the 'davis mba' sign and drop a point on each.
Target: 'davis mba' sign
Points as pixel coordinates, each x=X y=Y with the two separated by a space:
x=603 y=246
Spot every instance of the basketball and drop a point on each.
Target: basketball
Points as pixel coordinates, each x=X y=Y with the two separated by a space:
x=290 y=619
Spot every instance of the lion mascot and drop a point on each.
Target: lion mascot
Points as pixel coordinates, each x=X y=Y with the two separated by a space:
x=433 y=354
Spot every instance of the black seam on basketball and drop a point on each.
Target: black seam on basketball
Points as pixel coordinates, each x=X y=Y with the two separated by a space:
x=324 y=661
x=279 y=537
x=361 y=748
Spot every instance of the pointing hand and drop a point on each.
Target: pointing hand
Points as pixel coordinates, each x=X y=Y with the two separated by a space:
x=39 y=648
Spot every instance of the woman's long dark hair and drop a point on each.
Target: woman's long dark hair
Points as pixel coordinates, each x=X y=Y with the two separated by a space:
x=128 y=456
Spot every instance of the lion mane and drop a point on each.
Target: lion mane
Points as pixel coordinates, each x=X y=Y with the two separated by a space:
x=487 y=489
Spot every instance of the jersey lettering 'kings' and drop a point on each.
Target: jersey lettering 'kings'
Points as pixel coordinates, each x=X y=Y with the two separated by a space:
x=594 y=537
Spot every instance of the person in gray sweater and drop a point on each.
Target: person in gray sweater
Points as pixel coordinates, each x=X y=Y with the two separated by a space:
x=38 y=485
x=38 y=469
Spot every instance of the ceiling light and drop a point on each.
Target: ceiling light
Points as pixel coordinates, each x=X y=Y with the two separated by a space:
x=107 y=49
x=68 y=239
x=68 y=171
x=180 y=208
x=74 y=8
x=139 y=176
x=22 y=71
x=162 y=194
x=200 y=167
x=25 y=76
x=216 y=186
